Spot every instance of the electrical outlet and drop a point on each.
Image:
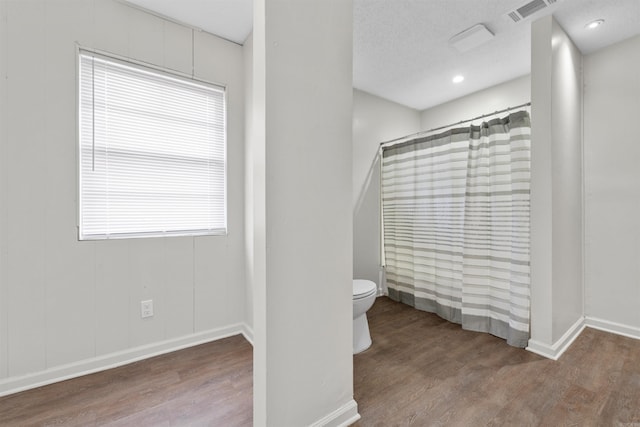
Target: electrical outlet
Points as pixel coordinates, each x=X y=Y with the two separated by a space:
x=146 y=308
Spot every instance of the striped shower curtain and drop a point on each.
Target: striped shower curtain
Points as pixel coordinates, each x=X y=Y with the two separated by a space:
x=455 y=210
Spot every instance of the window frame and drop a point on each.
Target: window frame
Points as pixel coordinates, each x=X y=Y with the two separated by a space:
x=171 y=73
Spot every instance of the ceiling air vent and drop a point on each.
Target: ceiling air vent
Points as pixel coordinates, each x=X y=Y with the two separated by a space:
x=529 y=9
x=471 y=38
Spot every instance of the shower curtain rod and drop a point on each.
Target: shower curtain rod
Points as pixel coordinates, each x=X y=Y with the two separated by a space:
x=382 y=144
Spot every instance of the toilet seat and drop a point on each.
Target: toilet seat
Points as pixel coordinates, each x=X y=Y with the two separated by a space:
x=363 y=288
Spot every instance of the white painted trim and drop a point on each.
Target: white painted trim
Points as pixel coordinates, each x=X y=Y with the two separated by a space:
x=247 y=332
x=96 y=364
x=344 y=416
x=613 y=327
x=556 y=350
x=541 y=349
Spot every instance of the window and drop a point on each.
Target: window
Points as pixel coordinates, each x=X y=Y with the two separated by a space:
x=152 y=152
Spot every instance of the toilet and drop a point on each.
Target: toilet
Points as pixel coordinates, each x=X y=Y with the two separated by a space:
x=364 y=295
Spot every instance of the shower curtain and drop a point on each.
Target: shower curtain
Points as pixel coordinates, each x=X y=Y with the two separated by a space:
x=455 y=209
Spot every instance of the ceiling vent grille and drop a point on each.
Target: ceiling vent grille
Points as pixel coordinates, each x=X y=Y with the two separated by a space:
x=529 y=9
x=471 y=38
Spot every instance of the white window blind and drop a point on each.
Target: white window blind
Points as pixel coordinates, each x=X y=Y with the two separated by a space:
x=152 y=152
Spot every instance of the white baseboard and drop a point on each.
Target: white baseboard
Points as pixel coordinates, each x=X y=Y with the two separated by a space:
x=96 y=364
x=344 y=416
x=613 y=327
x=556 y=350
x=247 y=332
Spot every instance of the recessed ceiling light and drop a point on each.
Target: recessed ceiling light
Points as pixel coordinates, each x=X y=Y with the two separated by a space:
x=594 y=24
x=458 y=79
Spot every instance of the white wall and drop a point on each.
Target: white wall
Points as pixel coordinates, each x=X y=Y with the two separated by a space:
x=556 y=189
x=499 y=97
x=612 y=187
x=66 y=305
x=247 y=49
x=303 y=266
x=566 y=108
x=375 y=120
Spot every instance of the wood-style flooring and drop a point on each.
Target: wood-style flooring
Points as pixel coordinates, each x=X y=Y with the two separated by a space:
x=420 y=371
x=424 y=371
x=206 y=385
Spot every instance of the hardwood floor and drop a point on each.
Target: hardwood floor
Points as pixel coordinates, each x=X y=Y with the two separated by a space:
x=206 y=385
x=420 y=371
x=424 y=371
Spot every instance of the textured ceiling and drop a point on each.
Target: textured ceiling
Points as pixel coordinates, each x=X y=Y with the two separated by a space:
x=402 y=53
x=622 y=20
x=401 y=50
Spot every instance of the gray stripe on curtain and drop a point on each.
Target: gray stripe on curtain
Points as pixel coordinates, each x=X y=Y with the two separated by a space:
x=456 y=225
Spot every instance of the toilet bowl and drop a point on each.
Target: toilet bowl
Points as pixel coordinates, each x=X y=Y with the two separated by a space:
x=364 y=295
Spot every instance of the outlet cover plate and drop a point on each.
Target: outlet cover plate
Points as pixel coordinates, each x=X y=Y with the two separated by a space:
x=146 y=308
